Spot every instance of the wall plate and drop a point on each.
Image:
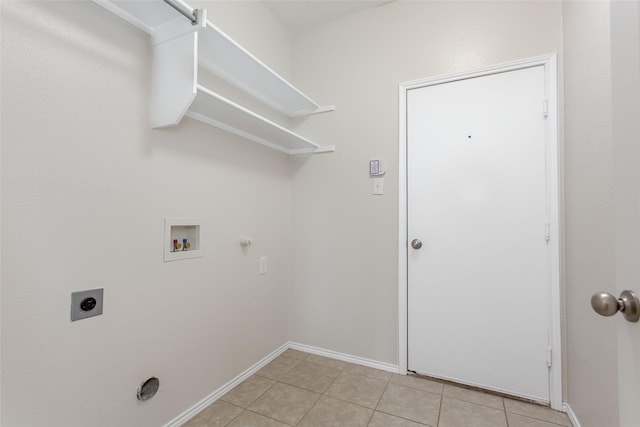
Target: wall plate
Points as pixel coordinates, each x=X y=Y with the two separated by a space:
x=93 y=299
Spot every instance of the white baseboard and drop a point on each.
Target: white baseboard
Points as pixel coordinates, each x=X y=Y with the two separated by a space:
x=572 y=416
x=217 y=394
x=345 y=357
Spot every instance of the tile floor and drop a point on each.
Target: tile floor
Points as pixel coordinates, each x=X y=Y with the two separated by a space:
x=301 y=389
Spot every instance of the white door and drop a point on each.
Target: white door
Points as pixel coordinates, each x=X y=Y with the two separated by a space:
x=625 y=58
x=478 y=200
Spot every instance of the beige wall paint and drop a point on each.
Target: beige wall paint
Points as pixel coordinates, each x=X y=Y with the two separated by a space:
x=345 y=240
x=86 y=185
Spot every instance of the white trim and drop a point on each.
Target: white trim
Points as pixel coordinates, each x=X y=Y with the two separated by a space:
x=389 y=367
x=549 y=63
x=403 y=279
x=217 y=394
x=572 y=416
x=553 y=210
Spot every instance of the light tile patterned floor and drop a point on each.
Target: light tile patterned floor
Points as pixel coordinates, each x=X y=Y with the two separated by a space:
x=301 y=389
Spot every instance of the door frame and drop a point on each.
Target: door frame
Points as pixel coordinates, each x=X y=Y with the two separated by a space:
x=553 y=208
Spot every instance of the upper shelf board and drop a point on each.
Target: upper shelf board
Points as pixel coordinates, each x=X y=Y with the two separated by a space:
x=221 y=55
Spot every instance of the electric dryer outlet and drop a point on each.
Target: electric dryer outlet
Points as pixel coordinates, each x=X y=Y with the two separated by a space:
x=86 y=304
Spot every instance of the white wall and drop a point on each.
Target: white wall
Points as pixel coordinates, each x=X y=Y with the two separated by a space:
x=345 y=239
x=86 y=185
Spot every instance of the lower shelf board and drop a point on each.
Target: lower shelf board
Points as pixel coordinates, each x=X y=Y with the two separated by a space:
x=215 y=110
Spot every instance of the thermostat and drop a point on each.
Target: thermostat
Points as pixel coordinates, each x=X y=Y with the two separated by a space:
x=377 y=167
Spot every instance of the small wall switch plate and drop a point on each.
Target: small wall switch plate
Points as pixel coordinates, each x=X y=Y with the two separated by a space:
x=86 y=303
x=378 y=186
x=263 y=265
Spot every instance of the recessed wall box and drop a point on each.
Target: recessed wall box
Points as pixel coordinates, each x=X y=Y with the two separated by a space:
x=181 y=238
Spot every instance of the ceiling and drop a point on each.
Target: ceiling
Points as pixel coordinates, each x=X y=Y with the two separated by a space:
x=300 y=14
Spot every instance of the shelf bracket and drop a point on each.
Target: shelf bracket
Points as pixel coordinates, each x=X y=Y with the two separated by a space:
x=174 y=79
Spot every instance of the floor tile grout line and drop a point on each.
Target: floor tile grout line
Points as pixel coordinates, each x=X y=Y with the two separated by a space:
x=394 y=415
x=326 y=393
x=305 y=414
x=381 y=394
x=378 y=402
x=370 y=417
x=421 y=389
x=342 y=370
x=263 y=393
x=298 y=387
x=402 y=418
x=350 y=402
x=309 y=410
x=282 y=380
x=277 y=377
x=473 y=403
x=476 y=403
x=268 y=417
x=236 y=416
x=345 y=365
x=329 y=386
x=538 y=419
x=440 y=408
x=506 y=417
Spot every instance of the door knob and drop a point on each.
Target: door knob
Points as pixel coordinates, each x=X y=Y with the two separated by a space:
x=416 y=244
x=606 y=304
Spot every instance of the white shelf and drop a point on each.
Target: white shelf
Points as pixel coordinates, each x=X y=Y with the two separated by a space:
x=226 y=58
x=179 y=47
x=211 y=108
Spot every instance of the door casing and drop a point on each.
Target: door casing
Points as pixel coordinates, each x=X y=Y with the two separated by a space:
x=551 y=95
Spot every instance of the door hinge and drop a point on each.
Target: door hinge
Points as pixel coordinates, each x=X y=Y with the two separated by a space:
x=545 y=108
x=549 y=357
x=547 y=231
